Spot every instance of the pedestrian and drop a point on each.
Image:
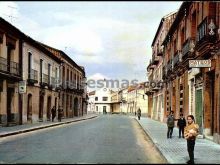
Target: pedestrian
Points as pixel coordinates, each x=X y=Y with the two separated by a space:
x=190 y=133
x=60 y=113
x=139 y=113
x=181 y=124
x=53 y=112
x=170 y=124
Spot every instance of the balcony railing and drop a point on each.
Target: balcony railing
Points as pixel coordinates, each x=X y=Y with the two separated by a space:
x=160 y=52
x=177 y=58
x=45 y=79
x=3 y=64
x=206 y=30
x=148 y=91
x=188 y=47
x=52 y=81
x=169 y=66
x=155 y=60
x=14 y=68
x=150 y=66
x=164 y=73
x=33 y=74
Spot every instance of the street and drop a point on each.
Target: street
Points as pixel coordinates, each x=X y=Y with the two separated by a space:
x=105 y=139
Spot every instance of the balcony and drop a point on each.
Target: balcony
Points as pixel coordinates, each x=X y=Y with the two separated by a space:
x=206 y=30
x=148 y=91
x=150 y=66
x=3 y=64
x=45 y=80
x=52 y=83
x=160 y=52
x=155 y=89
x=14 y=68
x=11 y=68
x=188 y=48
x=169 y=66
x=164 y=73
x=155 y=60
x=177 y=58
x=33 y=76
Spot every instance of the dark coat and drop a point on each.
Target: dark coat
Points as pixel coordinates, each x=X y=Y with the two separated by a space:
x=53 y=111
x=170 y=121
x=139 y=112
x=181 y=122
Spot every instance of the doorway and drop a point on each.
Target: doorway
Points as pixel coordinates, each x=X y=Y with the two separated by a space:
x=41 y=108
x=29 y=109
x=76 y=106
x=48 y=108
x=10 y=92
x=199 y=110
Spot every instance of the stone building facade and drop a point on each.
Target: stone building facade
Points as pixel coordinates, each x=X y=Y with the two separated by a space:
x=73 y=98
x=10 y=74
x=48 y=76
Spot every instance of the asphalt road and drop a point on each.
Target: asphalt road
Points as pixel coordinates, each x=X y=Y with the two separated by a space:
x=105 y=139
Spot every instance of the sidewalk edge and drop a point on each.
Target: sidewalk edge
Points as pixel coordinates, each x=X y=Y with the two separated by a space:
x=155 y=144
x=43 y=127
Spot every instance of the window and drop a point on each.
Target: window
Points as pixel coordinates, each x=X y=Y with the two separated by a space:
x=41 y=69
x=29 y=64
x=56 y=74
x=104 y=98
x=96 y=98
x=49 y=68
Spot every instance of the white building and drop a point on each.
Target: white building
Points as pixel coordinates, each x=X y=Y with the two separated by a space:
x=100 y=101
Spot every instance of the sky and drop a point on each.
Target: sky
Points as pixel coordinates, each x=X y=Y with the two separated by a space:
x=111 y=39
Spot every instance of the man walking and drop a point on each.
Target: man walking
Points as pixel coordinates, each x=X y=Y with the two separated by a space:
x=139 y=113
x=53 y=112
x=181 y=124
x=170 y=124
x=60 y=113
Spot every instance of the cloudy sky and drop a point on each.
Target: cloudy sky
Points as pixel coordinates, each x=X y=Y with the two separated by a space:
x=111 y=40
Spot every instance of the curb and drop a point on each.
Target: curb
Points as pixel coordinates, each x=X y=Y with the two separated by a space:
x=155 y=143
x=42 y=127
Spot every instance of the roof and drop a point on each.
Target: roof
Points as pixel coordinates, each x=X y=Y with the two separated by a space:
x=160 y=25
x=180 y=14
x=12 y=29
x=57 y=52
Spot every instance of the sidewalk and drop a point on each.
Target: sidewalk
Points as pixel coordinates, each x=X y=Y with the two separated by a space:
x=18 y=129
x=175 y=149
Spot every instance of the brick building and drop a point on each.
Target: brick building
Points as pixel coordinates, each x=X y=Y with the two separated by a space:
x=155 y=94
x=194 y=35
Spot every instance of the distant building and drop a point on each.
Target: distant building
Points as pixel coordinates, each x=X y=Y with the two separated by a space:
x=100 y=101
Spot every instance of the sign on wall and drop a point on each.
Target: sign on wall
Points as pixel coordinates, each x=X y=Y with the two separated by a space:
x=199 y=63
x=22 y=87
